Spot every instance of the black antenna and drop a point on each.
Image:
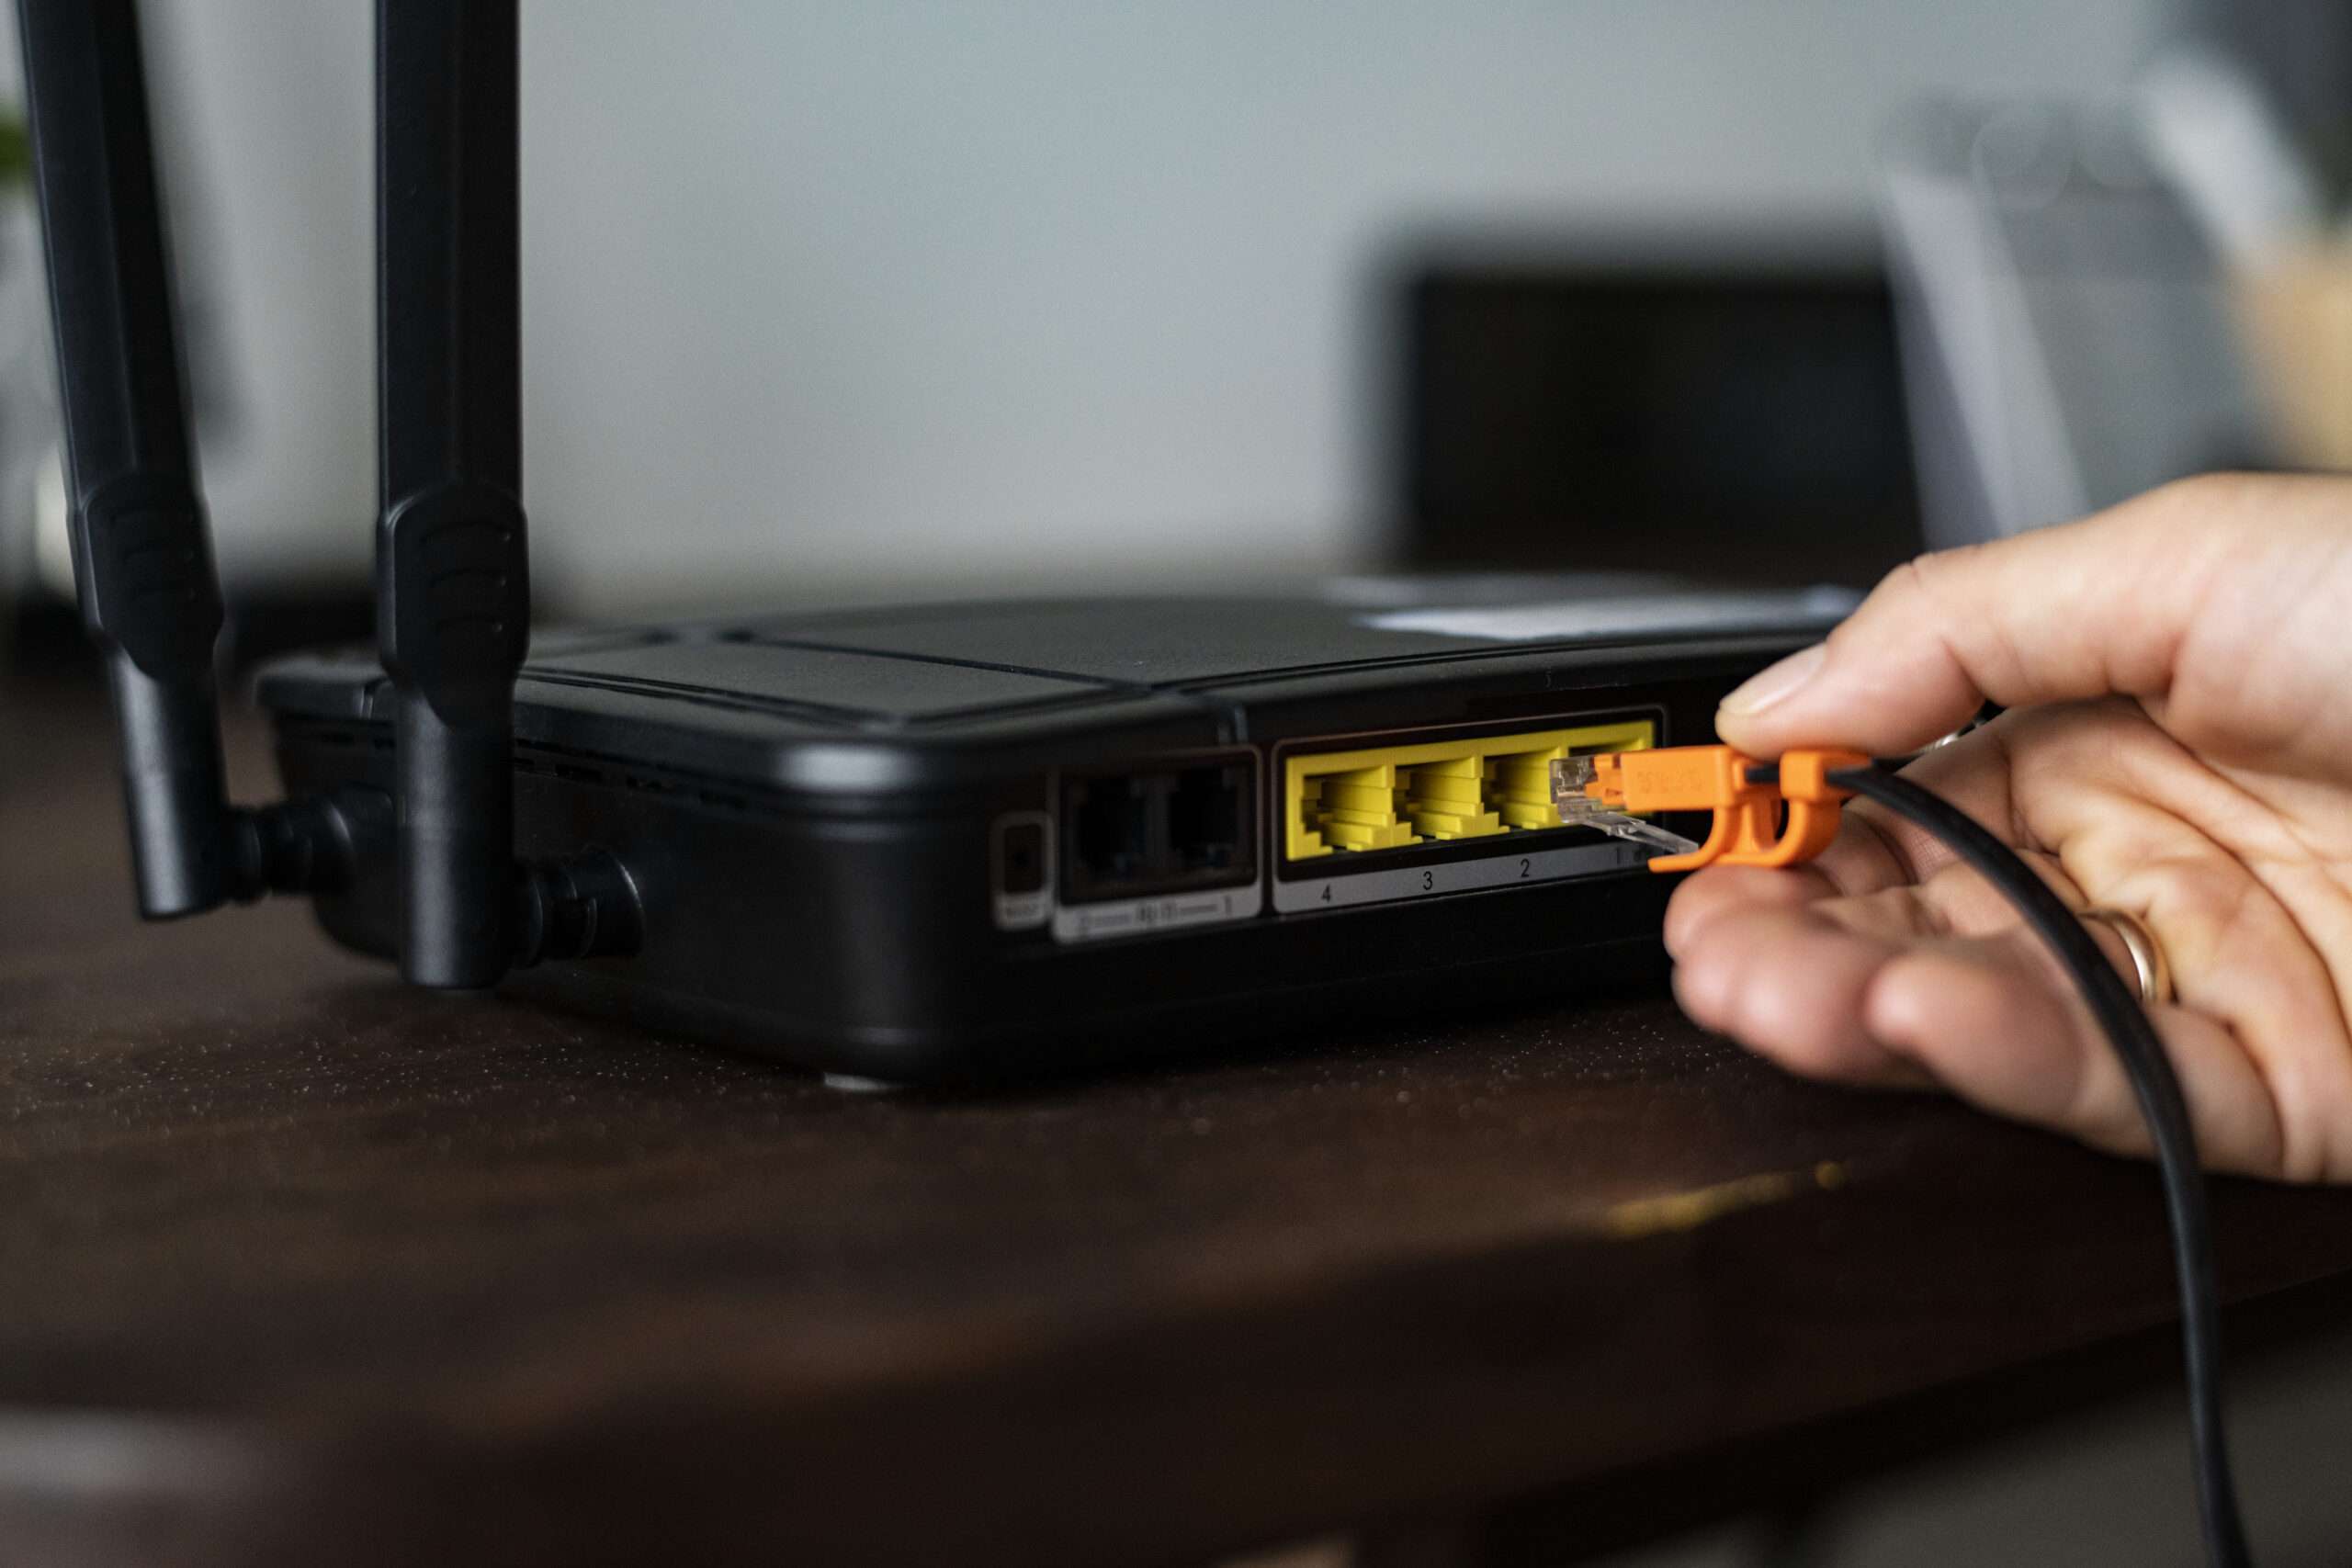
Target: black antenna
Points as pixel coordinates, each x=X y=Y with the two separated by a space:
x=141 y=557
x=454 y=598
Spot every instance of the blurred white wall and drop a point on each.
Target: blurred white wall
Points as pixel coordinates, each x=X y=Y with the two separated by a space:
x=834 y=292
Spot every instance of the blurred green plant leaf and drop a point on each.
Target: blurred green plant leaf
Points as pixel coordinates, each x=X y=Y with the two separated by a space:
x=16 y=152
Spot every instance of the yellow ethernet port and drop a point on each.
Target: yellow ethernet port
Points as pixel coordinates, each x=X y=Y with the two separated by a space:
x=1386 y=798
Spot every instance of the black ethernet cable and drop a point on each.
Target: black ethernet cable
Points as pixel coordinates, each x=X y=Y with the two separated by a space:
x=2163 y=1108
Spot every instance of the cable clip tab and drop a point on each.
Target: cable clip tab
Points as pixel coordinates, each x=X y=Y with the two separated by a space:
x=1747 y=796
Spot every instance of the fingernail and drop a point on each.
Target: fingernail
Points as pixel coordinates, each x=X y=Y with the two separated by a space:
x=1775 y=685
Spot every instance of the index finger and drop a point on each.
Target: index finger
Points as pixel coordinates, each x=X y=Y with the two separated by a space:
x=2091 y=609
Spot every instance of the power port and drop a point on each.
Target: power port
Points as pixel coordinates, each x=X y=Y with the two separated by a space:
x=1021 y=858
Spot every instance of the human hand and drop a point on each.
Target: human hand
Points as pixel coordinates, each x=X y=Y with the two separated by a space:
x=2177 y=674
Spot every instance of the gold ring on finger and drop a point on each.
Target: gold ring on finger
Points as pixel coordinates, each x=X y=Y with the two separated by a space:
x=2147 y=954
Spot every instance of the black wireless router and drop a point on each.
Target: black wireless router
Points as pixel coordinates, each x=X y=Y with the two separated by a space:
x=956 y=841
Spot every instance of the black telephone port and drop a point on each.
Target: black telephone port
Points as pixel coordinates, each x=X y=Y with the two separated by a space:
x=1205 y=818
x=1110 y=833
x=1158 y=830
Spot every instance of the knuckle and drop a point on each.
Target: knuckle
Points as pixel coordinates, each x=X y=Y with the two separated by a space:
x=1903 y=600
x=1938 y=580
x=2195 y=502
x=2207 y=489
x=1932 y=594
x=2189 y=493
x=1907 y=581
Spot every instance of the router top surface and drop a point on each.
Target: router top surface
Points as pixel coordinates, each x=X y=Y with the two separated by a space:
x=941 y=668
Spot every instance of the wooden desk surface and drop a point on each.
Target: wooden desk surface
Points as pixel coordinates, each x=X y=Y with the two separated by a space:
x=303 y=1266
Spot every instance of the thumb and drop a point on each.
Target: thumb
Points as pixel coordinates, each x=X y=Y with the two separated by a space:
x=2085 y=610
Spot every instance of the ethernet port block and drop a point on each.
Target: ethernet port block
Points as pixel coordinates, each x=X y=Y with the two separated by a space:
x=1388 y=798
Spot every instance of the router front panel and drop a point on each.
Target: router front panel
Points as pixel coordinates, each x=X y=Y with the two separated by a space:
x=891 y=862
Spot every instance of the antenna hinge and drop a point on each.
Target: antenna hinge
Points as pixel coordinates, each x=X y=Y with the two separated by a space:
x=145 y=570
x=453 y=610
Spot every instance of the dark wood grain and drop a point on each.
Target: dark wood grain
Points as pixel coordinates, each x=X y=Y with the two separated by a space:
x=303 y=1266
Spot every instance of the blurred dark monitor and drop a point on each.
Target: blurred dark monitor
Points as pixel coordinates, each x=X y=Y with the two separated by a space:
x=1734 y=423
